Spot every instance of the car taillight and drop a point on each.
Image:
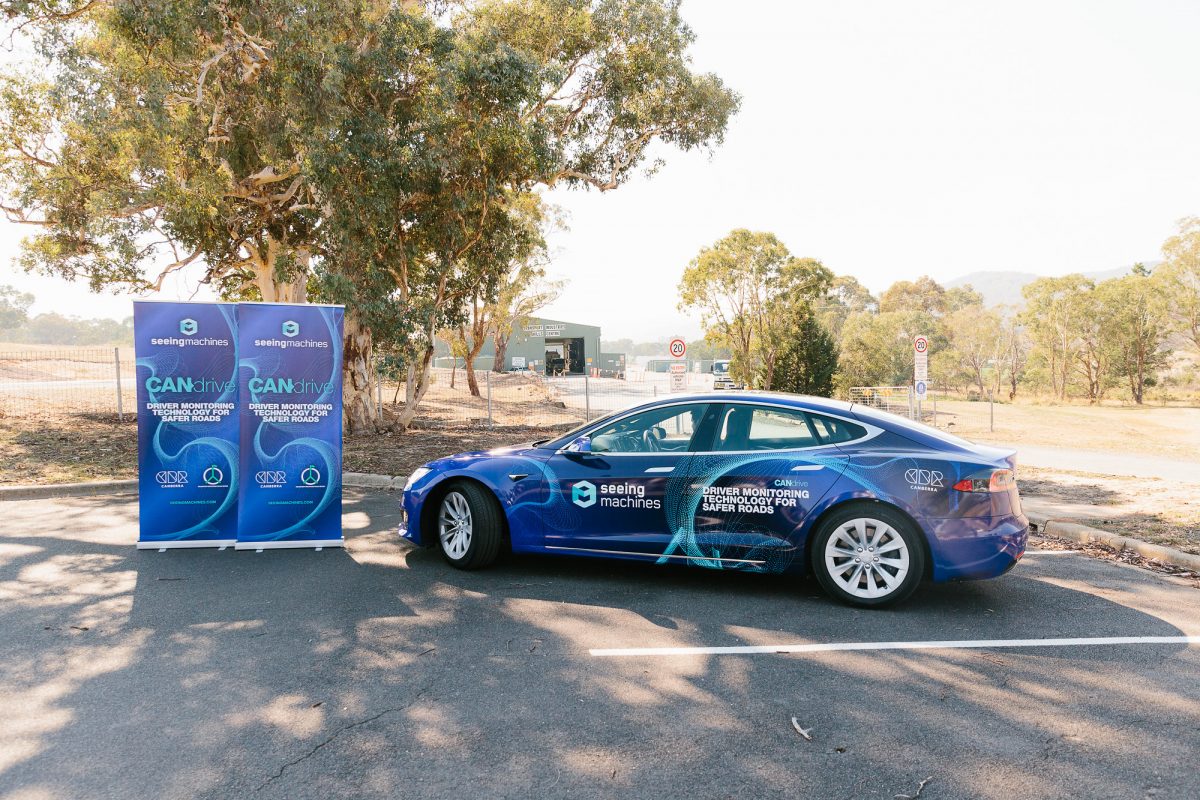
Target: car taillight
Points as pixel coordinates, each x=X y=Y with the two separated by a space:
x=999 y=480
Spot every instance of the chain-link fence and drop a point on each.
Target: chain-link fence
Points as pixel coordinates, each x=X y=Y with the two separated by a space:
x=967 y=414
x=529 y=399
x=80 y=380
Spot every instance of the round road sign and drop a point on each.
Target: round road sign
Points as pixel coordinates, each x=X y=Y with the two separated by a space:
x=921 y=344
x=678 y=347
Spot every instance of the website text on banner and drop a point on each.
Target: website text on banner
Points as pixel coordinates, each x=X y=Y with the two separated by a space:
x=290 y=403
x=187 y=423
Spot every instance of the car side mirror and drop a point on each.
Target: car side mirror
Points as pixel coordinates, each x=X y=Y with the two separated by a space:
x=581 y=445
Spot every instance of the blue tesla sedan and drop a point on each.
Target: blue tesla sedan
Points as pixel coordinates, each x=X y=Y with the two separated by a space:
x=869 y=502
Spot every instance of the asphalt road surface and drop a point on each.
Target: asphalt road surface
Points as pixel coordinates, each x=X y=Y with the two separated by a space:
x=380 y=672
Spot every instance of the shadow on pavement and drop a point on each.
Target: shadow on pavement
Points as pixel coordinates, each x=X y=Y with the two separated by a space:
x=382 y=672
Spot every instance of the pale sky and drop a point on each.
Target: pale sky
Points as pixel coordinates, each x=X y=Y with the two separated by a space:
x=889 y=140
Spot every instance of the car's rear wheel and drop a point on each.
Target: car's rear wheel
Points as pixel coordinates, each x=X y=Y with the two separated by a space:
x=469 y=526
x=868 y=556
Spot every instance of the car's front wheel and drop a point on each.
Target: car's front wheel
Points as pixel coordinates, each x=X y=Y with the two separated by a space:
x=868 y=556
x=469 y=526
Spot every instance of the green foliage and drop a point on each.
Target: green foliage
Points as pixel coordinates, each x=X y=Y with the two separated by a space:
x=372 y=154
x=1181 y=278
x=74 y=331
x=808 y=359
x=742 y=285
x=14 y=307
x=876 y=349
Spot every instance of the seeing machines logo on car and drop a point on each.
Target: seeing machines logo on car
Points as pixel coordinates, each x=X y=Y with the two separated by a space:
x=586 y=494
x=924 y=480
x=583 y=494
x=188 y=326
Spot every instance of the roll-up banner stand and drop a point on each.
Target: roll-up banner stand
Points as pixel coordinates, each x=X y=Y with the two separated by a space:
x=187 y=421
x=290 y=403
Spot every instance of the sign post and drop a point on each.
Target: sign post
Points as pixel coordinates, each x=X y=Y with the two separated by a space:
x=186 y=355
x=920 y=369
x=678 y=349
x=290 y=403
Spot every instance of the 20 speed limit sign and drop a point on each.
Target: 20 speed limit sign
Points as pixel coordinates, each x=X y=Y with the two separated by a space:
x=921 y=344
x=678 y=347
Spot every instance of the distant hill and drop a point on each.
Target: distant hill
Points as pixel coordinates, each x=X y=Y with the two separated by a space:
x=1003 y=287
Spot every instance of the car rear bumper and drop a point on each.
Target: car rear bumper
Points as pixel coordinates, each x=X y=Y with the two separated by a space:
x=975 y=548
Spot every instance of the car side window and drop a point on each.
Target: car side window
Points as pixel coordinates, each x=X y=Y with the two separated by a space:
x=836 y=431
x=663 y=429
x=745 y=427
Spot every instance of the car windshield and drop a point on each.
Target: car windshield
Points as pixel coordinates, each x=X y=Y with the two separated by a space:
x=720 y=368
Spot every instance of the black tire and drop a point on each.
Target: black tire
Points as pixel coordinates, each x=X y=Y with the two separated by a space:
x=856 y=575
x=485 y=533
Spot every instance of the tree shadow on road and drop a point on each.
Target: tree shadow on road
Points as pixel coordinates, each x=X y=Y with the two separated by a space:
x=383 y=672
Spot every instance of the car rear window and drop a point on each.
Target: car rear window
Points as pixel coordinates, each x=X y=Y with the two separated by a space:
x=836 y=431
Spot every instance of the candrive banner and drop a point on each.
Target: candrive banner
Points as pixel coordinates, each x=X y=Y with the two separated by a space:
x=187 y=423
x=290 y=402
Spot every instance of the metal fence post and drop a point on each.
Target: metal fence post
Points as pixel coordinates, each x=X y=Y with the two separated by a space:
x=991 y=411
x=935 y=407
x=587 y=399
x=378 y=396
x=117 y=363
x=488 y=379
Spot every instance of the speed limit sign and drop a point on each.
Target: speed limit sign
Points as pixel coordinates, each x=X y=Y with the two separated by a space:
x=678 y=347
x=921 y=344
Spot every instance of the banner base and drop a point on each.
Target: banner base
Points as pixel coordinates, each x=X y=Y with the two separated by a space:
x=315 y=544
x=183 y=543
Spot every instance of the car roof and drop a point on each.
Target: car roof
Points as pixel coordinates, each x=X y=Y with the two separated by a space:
x=803 y=401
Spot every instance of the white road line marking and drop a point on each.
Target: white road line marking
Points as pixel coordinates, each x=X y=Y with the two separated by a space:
x=1050 y=552
x=967 y=644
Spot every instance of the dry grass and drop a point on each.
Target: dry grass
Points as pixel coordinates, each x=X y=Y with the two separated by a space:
x=1169 y=432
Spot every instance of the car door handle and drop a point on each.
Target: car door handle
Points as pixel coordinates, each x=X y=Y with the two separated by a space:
x=659 y=469
x=518 y=476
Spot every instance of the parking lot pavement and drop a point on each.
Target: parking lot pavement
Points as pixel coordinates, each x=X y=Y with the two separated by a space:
x=381 y=672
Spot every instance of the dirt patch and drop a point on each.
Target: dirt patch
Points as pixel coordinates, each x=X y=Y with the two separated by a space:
x=78 y=448
x=1150 y=509
x=1096 y=550
x=1165 y=431
x=400 y=454
x=68 y=449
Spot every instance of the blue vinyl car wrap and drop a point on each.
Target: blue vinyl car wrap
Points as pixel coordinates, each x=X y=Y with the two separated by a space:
x=870 y=502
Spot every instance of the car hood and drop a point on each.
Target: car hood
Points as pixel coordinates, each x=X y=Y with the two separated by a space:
x=461 y=460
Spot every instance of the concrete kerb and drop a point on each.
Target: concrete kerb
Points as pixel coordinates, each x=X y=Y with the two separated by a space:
x=1073 y=531
x=354 y=480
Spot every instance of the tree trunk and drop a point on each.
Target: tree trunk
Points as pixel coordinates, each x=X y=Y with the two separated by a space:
x=500 y=340
x=358 y=379
x=472 y=354
x=272 y=289
x=416 y=385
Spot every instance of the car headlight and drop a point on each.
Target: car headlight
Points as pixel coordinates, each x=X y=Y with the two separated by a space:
x=417 y=474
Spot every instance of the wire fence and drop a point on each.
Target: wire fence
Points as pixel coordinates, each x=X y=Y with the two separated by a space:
x=83 y=380
x=44 y=382
x=528 y=399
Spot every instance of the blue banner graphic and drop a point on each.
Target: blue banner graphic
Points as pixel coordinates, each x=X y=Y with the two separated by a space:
x=290 y=384
x=187 y=423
